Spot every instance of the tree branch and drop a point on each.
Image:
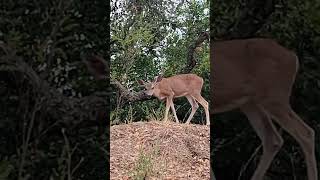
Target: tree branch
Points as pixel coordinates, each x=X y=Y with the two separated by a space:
x=130 y=96
x=74 y=113
x=97 y=67
x=191 y=60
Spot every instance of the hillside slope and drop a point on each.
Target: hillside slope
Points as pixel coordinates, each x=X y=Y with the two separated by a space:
x=158 y=150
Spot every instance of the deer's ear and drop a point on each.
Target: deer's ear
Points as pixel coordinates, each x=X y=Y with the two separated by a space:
x=96 y=65
x=158 y=78
x=141 y=82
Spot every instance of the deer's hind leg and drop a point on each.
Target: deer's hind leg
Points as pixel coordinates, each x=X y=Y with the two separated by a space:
x=205 y=105
x=299 y=130
x=194 y=107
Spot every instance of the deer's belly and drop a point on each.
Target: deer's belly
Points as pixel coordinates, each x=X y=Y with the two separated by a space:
x=226 y=97
x=161 y=98
x=180 y=95
x=228 y=104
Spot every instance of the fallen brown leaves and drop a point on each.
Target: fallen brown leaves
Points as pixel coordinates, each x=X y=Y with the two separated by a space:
x=159 y=150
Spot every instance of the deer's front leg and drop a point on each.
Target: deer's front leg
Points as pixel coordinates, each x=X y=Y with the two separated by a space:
x=167 y=109
x=174 y=110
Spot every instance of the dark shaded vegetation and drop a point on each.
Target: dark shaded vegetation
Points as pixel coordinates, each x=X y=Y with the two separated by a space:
x=295 y=25
x=53 y=113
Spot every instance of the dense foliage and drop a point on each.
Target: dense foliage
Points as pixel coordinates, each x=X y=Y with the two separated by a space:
x=46 y=92
x=148 y=39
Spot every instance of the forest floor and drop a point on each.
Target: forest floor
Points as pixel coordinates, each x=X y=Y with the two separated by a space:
x=159 y=150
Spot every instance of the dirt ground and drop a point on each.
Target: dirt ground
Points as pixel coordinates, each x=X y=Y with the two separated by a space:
x=159 y=150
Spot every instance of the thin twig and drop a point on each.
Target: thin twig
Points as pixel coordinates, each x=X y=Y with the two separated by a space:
x=37 y=107
x=243 y=169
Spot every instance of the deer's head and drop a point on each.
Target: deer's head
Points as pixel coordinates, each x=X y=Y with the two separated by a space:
x=150 y=87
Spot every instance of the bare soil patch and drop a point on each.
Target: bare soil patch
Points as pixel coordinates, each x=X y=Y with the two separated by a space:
x=159 y=150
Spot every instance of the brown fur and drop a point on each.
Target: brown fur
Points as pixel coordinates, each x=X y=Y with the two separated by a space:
x=188 y=85
x=256 y=76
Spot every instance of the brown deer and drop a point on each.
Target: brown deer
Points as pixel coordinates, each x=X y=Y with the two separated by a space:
x=187 y=85
x=256 y=76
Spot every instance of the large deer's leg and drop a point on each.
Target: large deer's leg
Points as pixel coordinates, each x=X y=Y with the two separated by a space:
x=194 y=106
x=205 y=105
x=304 y=135
x=270 y=138
x=174 y=111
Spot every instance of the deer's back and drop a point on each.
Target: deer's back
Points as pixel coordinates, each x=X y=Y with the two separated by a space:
x=252 y=69
x=182 y=84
